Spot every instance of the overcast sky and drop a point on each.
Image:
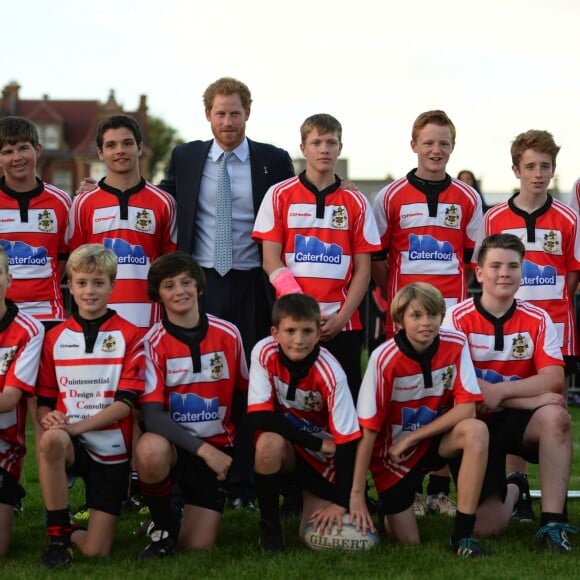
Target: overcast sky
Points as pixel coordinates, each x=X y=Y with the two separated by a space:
x=497 y=67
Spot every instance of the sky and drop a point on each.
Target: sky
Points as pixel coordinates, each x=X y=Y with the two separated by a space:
x=497 y=67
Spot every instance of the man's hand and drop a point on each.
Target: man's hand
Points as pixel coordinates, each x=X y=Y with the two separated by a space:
x=86 y=185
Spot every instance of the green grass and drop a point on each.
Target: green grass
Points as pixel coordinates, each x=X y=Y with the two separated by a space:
x=516 y=554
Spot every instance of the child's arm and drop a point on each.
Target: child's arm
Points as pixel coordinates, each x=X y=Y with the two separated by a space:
x=112 y=414
x=357 y=289
x=549 y=379
x=442 y=424
x=280 y=276
x=359 y=514
x=9 y=399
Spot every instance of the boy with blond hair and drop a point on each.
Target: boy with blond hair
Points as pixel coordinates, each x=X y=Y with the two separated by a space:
x=89 y=379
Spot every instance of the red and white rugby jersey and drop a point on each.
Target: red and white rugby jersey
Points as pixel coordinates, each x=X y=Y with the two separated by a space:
x=84 y=383
x=33 y=229
x=200 y=402
x=139 y=225
x=552 y=242
x=426 y=241
x=395 y=396
x=21 y=339
x=509 y=348
x=319 y=251
x=575 y=197
x=322 y=405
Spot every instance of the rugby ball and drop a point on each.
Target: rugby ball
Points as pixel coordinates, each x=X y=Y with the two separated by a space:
x=348 y=538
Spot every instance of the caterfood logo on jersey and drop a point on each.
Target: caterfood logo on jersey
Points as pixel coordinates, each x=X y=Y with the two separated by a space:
x=310 y=249
x=412 y=419
x=491 y=376
x=192 y=408
x=45 y=221
x=21 y=254
x=534 y=275
x=126 y=253
x=302 y=424
x=428 y=248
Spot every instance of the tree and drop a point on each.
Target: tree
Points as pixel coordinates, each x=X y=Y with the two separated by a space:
x=161 y=139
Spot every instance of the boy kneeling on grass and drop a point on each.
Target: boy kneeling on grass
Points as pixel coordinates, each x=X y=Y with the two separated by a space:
x=90 y=377
x=20 y=346
x=196 y=384
x=417 y=410
x=302 y=408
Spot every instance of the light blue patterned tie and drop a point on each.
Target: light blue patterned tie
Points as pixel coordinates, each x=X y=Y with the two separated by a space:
x=223 y=243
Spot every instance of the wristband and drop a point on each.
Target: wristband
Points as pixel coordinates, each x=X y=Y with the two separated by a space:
x=284 y=282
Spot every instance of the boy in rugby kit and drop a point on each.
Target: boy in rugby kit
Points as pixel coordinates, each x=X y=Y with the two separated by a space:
x=33 y=226
x=128 y=215
x=428 y=223
x=317 y=238
x=90 y=376
x=516 y=353
x=551 y=266
x=21 y=339
x=300 y=404
x=196 y=388
x=417 y=411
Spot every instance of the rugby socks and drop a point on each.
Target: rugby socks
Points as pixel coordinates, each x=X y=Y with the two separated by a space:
x=548 y=518
x=157 y=497
x=268 y=495
x=438 y=484
x=464 y=524
x=58 y=524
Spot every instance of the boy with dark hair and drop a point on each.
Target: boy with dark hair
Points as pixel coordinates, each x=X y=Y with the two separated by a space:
x=317 y=238
x=33 y=229
x=21 y=339
x=428 y=223
x=89 y=379
x=417 y=412
x=303 y=411
x=551 y=266
x=128 y=215
x=196 y=387
x=517 y=357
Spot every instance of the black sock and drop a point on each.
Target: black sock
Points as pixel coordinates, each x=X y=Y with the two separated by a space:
x=58 y=524
x=268 y=494
x=548 y=517
x=157 y=497
x=438 y=484
x=464 y=524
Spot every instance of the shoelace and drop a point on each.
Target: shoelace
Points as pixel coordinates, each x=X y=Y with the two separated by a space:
x=555 y=530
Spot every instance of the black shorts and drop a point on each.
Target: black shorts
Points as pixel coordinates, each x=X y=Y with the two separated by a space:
x=106 y=484
x=306 y=477
x=572 y=365
x=10 y=491
x=199 y=484
x=506 y=435
x=401 y=496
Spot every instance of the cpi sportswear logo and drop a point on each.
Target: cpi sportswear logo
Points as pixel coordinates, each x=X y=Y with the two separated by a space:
x=125 y=252
x=428 y=248
x=310 y=249
x=21 y=254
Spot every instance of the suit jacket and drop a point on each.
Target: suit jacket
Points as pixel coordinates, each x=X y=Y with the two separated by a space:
x=269 y=165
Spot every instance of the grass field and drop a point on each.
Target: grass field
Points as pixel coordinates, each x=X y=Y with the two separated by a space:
x=515 y=554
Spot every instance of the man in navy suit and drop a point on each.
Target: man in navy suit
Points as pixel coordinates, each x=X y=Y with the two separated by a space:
x=243 y=295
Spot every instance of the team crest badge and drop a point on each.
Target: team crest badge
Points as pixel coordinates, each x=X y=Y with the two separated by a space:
x=447 y=377
x=143 y=221
x=6 y=360
x=313 y=401
x=216 y=365
x=520 y=347
x=452 y=217
x=45 y=221
x=551 y=243
x=109 y=344
x=339 y=218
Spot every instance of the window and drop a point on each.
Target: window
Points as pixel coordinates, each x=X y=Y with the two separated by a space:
x=49 y=136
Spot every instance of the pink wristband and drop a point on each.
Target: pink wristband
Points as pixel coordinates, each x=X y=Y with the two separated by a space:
x=285 y=283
